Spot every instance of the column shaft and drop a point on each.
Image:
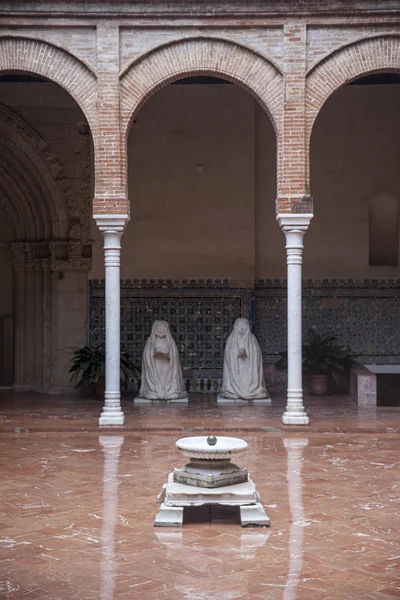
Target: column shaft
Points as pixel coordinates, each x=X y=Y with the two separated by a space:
x=294 y=227
x=112 y=228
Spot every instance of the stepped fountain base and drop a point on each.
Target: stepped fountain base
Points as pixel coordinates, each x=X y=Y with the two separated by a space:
x=210 y=478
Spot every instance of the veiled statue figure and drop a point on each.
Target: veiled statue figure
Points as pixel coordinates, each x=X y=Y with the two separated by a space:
x=243 y=376
x=161 y=368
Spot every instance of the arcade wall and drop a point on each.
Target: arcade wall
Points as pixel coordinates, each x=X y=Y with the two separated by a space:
x=202 y=173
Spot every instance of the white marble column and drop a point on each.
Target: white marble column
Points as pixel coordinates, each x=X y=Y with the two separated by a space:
x=294 y=227
x=112 y=228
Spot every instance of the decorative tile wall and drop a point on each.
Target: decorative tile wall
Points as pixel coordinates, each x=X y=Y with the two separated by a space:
x=201 y=315
x=362 y=313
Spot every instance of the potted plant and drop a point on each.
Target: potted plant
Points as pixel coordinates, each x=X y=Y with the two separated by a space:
x=322 y=358
x=89 y=367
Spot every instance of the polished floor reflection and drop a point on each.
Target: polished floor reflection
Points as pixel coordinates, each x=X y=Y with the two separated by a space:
x=37 y=413
x=77 y=511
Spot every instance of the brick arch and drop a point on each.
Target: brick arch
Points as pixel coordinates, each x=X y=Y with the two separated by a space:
x=355 y=60
x=201 y=56
x=55 y=64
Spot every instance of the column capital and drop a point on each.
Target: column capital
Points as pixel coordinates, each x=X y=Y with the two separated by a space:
x=115 y=223
x=294 y=222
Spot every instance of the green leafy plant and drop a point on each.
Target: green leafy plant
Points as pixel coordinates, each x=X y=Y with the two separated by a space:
x=89 y=367
x=321 y=355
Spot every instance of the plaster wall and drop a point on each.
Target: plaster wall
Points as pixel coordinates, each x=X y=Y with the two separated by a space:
x=269 y=240
x=355 y=154
x=192 y=186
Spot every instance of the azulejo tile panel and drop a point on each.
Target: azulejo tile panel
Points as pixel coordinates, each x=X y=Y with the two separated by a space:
x=362 y=313
x=201 y=315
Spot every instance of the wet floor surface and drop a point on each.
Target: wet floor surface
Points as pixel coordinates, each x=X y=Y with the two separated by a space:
x=36 y=413
x=77 y=508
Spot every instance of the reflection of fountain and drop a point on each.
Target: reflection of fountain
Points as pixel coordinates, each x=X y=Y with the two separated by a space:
x=210 y=478
x=112 y=447
x=193 y=558
x=249 y=542
x=295 y=448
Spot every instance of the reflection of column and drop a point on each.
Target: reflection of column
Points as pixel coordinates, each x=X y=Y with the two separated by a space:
x=294 y=227
x=112 y=447
x=112 y=228
x=295 y=448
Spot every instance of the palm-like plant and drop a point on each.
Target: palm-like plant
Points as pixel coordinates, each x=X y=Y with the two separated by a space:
x=321 y=355
x=89 y=366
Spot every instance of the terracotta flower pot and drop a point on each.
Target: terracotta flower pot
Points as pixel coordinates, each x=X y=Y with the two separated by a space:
x=319 y=384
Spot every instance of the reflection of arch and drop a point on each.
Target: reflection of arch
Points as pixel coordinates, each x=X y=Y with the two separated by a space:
x=348 y=63
x=383 y=231
x=201 y=56
x=28 y=188
x=42 y=58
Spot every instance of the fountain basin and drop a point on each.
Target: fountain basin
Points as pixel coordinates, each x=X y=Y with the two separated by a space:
x=224 y=449
x=210 y=462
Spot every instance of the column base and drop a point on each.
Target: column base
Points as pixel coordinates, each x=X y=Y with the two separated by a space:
x=112 y=413
x=111 y=418
x=295 y=413
x=289 y=418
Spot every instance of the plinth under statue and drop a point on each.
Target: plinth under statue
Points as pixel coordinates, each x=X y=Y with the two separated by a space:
x=243 y=375
x=210 y=478
x=161 y=377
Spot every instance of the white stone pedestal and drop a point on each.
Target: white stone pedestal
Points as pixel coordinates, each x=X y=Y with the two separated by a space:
x=139 y=400
x=231 y=401
x=175 y=496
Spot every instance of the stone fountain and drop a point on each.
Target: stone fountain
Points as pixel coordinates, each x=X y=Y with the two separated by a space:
x=210 y=478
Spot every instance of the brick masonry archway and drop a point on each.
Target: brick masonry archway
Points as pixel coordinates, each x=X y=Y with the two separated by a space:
x=201 y=56
x=57 y=65
x=346 y=64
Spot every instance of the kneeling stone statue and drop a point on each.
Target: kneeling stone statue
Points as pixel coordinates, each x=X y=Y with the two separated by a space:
x=161 y=368
x=243 y=377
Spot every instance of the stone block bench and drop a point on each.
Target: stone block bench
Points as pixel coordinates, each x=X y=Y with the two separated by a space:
x=363 y=382
x=363 y=386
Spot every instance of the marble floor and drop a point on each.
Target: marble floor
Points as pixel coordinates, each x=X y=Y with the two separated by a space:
x=77 y=505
